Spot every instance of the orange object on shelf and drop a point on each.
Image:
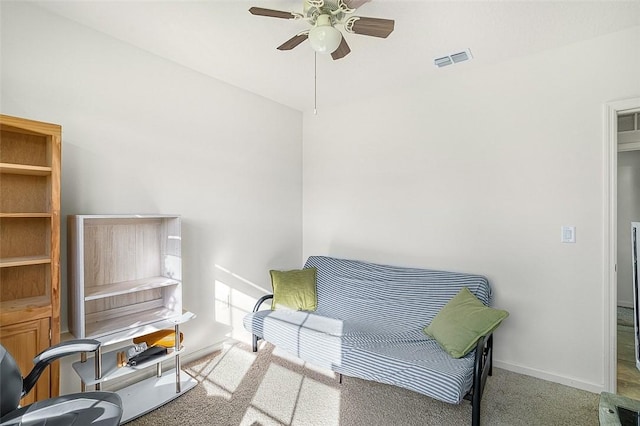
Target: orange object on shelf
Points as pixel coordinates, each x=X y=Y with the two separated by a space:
x=166 y=338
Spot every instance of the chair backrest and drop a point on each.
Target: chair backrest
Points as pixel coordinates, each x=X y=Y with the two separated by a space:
x=10 y=383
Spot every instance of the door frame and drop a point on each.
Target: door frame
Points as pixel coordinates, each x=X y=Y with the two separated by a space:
x=610 y=240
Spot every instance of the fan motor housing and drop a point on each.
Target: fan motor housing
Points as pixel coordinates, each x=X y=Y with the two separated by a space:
x=332 y=8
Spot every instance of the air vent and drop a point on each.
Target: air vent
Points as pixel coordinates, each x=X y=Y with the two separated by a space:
x=443 y=62
x=453 y=58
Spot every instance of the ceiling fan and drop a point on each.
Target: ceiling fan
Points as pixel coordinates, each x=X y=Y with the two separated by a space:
x=323 y=16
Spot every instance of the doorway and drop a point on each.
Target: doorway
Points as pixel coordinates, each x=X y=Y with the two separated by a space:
x=628 y=211
x=612 y=111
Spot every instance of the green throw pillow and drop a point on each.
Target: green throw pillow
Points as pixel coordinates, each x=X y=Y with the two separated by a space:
x=294 y=290
x=462 y=321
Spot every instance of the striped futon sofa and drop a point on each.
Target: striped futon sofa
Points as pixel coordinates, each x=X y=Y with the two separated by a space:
x=369 y=323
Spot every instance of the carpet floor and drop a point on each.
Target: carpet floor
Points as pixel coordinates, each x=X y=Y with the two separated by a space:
x=239 y=387
x=625 y=316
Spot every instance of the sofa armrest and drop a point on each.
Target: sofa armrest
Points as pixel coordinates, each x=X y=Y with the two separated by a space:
x=255 y=309
x=261 y=301
x=483 y=367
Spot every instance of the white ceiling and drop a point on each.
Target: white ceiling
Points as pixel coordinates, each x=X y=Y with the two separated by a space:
x=223 y=40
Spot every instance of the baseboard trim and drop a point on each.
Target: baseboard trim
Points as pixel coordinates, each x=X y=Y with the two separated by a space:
x=625 y=304
x=201 y=353
x=556 y=378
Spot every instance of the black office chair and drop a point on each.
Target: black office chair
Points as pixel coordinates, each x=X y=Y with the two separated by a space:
x=78 y=409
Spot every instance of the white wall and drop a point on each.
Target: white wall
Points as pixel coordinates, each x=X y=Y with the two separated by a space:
x=628 y=211
x=477 y=171
x=144 y=135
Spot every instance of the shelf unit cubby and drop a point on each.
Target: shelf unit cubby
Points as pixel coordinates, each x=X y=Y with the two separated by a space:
x=125 y=272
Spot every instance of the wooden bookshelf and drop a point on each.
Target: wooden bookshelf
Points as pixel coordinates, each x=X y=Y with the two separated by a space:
x=30 y=244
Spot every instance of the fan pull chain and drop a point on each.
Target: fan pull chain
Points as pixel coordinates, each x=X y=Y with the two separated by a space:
x=315 y=83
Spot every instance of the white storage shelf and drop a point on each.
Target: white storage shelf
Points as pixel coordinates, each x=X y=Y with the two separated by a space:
x=115 y=289
x=145 y=395
x=110 y=370
x=148 y=394
x=125 y=272
x=104 y=329
x=138 y=330
x=153 y=392
x=125 y=281
x=105 y=323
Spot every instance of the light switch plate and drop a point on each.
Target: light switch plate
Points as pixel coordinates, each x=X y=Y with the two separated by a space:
x=568 y=234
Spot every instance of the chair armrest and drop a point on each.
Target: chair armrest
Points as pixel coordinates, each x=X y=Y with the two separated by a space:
x=49 y=355
x=261 y=300
x=63 y=349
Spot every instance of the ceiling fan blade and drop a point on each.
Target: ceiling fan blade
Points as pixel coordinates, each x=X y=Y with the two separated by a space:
x=294 y=41
x=375 y=27
x=354 y=4
x=271 y=13
x=342 y=50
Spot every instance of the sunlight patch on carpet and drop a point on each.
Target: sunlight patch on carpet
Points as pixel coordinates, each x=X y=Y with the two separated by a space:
x=321 y=370
x=214 y=390
x=222 y=375
x=287 y=356
x=285 y=396
x=278 y=393
x=255 y=417
x=318 y=404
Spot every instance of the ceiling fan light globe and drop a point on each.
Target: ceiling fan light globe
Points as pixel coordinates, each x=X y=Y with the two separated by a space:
x=324 y=39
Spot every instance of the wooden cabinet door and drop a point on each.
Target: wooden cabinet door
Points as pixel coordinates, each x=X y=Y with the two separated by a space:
x=24 y=341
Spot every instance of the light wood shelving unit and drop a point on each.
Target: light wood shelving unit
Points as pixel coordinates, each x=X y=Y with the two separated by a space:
x=125 y=281
x=30 y=244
